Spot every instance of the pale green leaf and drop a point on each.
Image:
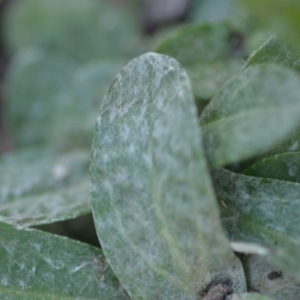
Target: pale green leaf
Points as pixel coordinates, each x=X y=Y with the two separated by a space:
x=153 y=203
x=37 y=265
x=284 y=166
x=276 y=51
x=38 y=186
x=264 y=277
x=242 y=120
x=37 y=87
x=78 y=116
x=263 y=211
x=291 y=143
x=207 y=53
x=50 y=206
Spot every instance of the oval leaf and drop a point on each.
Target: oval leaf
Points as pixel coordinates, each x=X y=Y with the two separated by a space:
x=207 y=53
x=36 y=265
x=263 y=211
x=242 y=120
x=38 y=186
x=152 y=200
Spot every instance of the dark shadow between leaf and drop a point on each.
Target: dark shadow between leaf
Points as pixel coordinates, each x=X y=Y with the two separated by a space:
x=81 y=229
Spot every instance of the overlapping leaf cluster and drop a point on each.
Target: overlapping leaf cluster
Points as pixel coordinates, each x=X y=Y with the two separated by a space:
x=195 y=156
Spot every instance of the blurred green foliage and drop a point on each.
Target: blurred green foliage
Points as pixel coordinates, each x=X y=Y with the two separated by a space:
x=65 y=56
x=281 y=16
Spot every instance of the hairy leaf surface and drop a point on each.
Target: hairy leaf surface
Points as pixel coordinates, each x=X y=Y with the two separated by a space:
x=89 y=84
x=38 y=186
x=242 y=120
x=37 y=265
x=264 y=211
x=207 y=53
x=152 y=200
x=268 y=279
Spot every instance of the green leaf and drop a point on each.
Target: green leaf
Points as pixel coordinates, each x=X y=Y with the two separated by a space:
x=263 y=211
x=242 y=120
x=264 y=277
x=37 y=87
x=152 y=200
x=207 y=53
x=284 y=166
x=53 y=100
x=36 y=265
x=79 y=114
x=84 y=29
x=276 y=51
x=38 y=187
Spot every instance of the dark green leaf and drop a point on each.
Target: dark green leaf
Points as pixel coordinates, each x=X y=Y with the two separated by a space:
x=38 y=187
x=284 y=166
x=208 y=55
x=242 y=120
x=36 y=265
x=263 y=211
x=152 y=200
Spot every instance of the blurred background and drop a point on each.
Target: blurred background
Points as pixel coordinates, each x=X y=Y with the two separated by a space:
x=58 y=57
x=77 y=33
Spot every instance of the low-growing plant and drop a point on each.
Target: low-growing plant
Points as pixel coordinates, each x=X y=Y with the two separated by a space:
x=194 y=168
